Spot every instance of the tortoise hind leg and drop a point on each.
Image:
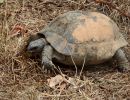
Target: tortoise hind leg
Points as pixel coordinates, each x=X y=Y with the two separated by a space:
x=122 y=61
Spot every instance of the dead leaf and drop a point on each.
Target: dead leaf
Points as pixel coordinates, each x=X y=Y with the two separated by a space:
x=58 y=79
x=18 y=29
x=75 y=82
x=62 y=87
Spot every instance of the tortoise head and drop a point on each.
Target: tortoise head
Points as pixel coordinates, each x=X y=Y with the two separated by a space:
x=36 y=45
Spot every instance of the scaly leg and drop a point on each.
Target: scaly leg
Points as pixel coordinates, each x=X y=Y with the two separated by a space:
x=122 y=61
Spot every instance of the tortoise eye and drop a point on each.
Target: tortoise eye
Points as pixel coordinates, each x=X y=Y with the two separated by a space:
x=34 y=48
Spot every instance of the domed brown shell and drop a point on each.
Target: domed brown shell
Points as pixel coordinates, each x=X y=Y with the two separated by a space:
x=78 y=32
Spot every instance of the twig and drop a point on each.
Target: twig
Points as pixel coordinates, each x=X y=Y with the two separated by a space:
x=72 y=1
x=126 y=14
x=48 y=95
x=82 y=66
x=47 y=2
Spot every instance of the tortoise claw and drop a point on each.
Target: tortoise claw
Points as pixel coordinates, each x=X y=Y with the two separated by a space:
x=48 y=65
x=124 y=68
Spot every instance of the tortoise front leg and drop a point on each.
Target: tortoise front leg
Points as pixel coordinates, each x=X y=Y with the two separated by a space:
x=122 y=61
x=47 y=57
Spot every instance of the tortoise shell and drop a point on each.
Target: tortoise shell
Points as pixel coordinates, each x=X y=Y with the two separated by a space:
x=78 y=32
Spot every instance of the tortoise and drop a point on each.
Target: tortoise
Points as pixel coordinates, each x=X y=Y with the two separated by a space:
x=78 y=36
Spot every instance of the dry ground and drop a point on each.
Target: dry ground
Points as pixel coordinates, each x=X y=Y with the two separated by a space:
x=21 y=78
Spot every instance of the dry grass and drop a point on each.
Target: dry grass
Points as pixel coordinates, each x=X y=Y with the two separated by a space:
x=21 y=78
